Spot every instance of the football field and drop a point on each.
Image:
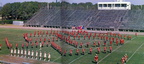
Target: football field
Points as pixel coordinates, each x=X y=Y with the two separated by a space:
x=134 y=48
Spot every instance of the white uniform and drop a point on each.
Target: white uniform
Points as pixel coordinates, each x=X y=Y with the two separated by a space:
x=14 y=52
x=28 y=53
x=25 y=53
x=44 y=56
x=11 y=51
x=32 y=54
x=36 y=54
x=49 y=56
x=40 y=55
x=18 y=52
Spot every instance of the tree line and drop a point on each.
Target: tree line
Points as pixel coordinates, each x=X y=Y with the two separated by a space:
x=25 y=10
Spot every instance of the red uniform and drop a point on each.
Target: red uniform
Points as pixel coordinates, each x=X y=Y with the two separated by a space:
x=83 y=51
x=99 y=43
x=122 y=60
x=90 y=50
x=105 y=49
x=70 y=51
x=32 y=45
x=81 y=44
x=110 y=49
x=94 y=43
x=96 y=58
x=122 y=41
x=77 y=51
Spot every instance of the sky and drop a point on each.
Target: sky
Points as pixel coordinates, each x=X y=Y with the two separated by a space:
x=135 y=2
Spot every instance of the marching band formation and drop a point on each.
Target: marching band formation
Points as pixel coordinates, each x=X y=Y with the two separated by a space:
x=106 y=43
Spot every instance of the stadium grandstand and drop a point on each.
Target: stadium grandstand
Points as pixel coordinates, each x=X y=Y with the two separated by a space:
x=108 y=20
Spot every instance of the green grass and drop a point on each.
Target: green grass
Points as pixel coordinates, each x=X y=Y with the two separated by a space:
x=16 y=36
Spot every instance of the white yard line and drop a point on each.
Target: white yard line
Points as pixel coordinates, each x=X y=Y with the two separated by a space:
x=75 y=59
x=114 y=50
x=57 y=58
x=135 y=52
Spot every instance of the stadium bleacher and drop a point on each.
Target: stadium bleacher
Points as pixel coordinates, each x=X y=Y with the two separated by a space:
x=115 y=19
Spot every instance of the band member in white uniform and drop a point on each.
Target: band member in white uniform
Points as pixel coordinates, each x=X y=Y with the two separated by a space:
x=49 y=56
x=25 y=53
x=45 y=56
x=18 y=52
x=14 y=52
x=32 y=54
x=36 y=55
x=40 y=55
x=28 y=53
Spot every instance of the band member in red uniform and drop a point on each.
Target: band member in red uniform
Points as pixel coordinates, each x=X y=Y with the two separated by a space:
x=81 y=44
x=77 y=51
x=32 y=44
x=64 y=53
x=71 y=52
x=99 y=43
x=110 y=49
x=121 y=41
x=83 y=51
x=96 y=58
x=90 y=50
x=105 y=48
x=111 y=43
x=122 y=60
x=94 y=44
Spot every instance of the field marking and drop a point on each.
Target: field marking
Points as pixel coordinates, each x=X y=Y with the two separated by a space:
x=113 y=51
x=57 y=59
x=135 y=52
x=75 y=59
